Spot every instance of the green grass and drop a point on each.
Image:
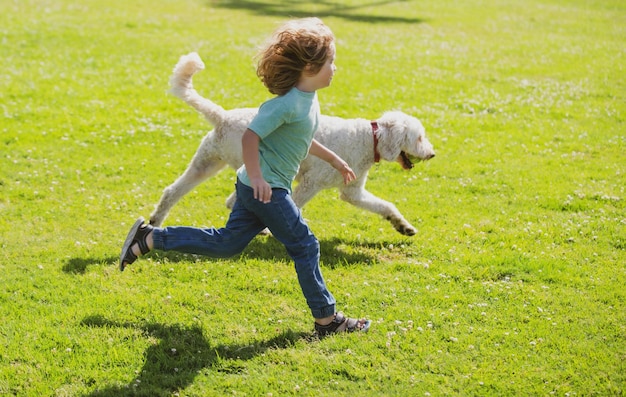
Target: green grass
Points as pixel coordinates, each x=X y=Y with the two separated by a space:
x=514 y=284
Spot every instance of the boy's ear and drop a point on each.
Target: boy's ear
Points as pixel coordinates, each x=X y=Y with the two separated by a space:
x=308 y=70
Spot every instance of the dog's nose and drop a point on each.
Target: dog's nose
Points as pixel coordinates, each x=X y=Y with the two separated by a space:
x=431 y=156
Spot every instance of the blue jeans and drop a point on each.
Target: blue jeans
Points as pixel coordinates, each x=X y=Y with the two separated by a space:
x=248 y=217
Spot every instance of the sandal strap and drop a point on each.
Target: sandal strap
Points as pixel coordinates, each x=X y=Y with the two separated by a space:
x=351 y=326
x=332 y=326
x=137 y=235
x=140 y=238
x=129 y=259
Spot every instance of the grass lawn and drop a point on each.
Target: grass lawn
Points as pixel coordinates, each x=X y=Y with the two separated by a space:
x=514 y=284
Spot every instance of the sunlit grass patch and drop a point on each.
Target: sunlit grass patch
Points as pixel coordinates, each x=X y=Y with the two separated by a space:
x=513 y=284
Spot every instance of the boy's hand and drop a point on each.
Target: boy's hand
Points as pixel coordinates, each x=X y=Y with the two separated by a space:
x=321 y=151
x=262 y=189
x=340 y=165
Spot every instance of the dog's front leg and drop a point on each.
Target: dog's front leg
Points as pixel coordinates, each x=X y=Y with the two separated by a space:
x=361 y=198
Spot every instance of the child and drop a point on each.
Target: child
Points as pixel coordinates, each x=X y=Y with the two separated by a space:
x=296 y=62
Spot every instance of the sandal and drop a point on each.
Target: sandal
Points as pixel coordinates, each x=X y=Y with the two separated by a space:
x=137 y=235
x=352 y=324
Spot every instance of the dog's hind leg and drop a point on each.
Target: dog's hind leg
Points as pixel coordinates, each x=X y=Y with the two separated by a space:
x=358 y=196
x=230 y=201
x=304 y=192
x=197 y=172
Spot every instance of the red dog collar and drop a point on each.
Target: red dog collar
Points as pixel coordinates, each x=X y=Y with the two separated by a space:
x=374 y=130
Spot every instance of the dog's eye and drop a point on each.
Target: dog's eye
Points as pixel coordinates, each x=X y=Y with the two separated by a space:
x=419 y=139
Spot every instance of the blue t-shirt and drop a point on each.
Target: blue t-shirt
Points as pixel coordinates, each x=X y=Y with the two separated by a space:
x=286 y=125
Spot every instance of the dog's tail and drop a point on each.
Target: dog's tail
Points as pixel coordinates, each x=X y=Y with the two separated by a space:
x=182 y=87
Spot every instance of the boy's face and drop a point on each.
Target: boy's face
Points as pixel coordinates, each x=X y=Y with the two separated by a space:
x=323 y=78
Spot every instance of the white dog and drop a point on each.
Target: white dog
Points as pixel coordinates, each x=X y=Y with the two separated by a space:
x=394 y=137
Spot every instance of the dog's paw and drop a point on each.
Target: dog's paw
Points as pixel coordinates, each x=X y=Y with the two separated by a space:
x=401 y=225
x=155 y=222
x=405 y=228
x=409 y=231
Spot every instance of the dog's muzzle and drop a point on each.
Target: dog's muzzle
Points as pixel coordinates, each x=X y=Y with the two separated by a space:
x=408 y=160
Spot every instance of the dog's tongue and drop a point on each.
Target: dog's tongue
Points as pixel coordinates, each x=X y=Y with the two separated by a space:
x=406 y=161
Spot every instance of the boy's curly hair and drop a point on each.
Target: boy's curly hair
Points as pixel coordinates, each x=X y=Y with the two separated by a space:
x=298 y=45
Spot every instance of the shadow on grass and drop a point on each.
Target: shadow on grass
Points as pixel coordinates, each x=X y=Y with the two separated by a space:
x=80 y=265
x=172 y=363
x=289 y=9
x=334 y=253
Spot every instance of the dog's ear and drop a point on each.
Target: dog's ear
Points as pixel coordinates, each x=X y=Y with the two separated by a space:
x=391 y=135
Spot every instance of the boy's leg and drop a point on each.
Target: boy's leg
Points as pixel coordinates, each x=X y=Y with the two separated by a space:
x=242 y=226
x=284 y=220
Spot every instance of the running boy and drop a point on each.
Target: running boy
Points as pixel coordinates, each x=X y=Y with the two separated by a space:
x=296 y=62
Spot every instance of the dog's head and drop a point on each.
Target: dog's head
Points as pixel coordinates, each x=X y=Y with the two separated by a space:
x=402 y=138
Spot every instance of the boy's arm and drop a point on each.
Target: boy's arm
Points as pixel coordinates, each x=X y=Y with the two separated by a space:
x=321 y=151
x=250 y=148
